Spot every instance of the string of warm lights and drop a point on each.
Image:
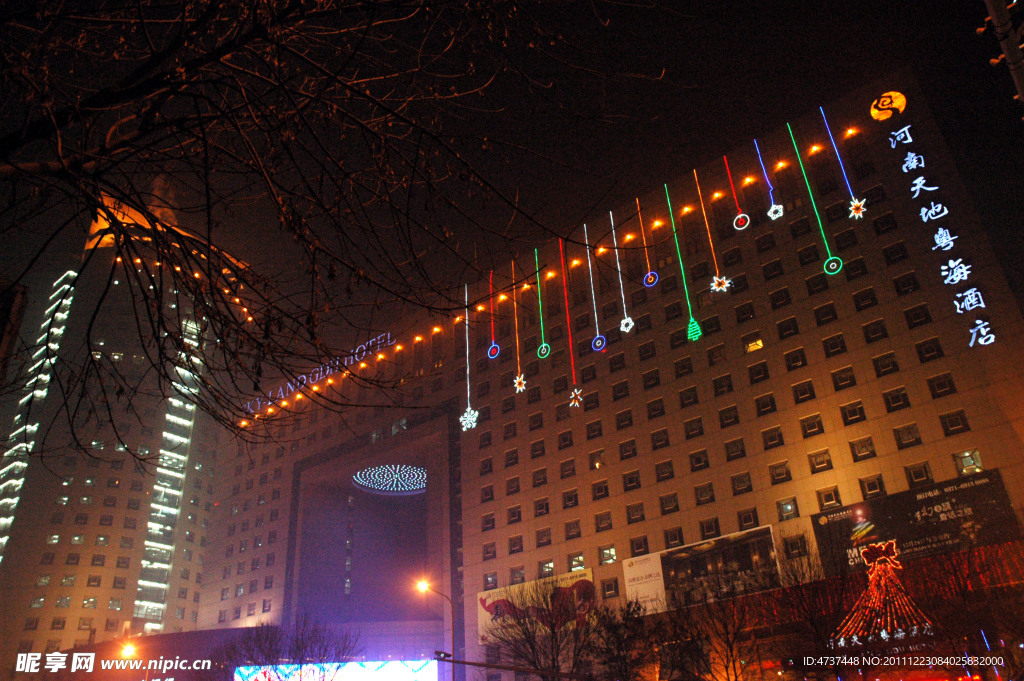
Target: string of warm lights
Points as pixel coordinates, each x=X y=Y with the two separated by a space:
x=694 y=332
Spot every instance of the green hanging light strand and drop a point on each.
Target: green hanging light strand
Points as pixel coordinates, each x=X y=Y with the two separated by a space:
x=832 y=264
x=543 y=350
x=693 y=330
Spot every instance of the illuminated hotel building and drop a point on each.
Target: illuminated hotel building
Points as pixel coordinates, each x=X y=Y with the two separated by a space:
x=802 y=392
x=811 y=389
x=94 y=547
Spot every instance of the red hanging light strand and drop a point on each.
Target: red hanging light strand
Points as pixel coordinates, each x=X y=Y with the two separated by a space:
x=515 y=318
x=707 y=226
x=643 y=236
x=731 y=185
x=568 y=323
x=490 y=291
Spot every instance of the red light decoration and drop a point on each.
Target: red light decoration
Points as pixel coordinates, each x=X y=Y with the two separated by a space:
x=568 y=319
x=884 y=613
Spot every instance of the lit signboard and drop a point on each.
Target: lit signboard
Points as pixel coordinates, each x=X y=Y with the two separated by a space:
x=391 y=670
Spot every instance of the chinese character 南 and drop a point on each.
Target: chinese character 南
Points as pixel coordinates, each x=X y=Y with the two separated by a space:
x=936 y=211
x=901 y=135
x=981 y=333
x=912 y=161
x=970 y=299
x=918 y=185
x=943 y=239
x=955 y=271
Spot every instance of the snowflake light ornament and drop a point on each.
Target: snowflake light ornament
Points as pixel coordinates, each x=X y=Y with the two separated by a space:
x=856 y=208
x=626 y=325
x=576 y=399
x=776 y=211
x=720 y=284
x=468 y=418
x=520 y=383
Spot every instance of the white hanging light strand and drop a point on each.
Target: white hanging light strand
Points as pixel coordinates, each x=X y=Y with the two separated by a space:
x=626 y=325
x=590 y=271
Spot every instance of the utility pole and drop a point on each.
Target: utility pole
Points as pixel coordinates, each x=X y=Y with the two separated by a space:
x=1009 y=37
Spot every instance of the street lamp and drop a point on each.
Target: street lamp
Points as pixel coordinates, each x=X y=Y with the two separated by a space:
x=128 y=651
x=424 y=586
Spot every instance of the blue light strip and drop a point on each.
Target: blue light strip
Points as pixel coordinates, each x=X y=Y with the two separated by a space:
x=771 y=189
x=834 y=146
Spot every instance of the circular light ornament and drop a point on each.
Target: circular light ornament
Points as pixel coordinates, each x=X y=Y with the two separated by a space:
x=598 y=343
x=493 y=351
x=650 y=279
x=883 y=107
x=391 y=479
x=833 y=265
x=741 y=222
x=543 y=350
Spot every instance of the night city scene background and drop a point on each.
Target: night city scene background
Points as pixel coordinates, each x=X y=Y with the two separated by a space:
x=496 y=341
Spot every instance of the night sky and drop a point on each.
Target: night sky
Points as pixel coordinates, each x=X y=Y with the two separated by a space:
x=736 y=70
x=591 y=141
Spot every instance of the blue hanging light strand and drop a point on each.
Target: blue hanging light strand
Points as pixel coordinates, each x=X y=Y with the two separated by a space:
x=771 y=189
x=836 y=148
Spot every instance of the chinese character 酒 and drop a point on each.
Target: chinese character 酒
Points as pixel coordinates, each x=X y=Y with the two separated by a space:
x=970 y=299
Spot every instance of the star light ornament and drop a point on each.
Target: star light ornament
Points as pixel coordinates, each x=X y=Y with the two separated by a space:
x=576 y=399
x=468 y=418
x=856 y=208
x=626 y=325
x=520 y=383
x=720 y=284
x=776 y=211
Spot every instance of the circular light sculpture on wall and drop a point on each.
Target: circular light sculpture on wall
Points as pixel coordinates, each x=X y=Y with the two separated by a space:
x=392 y=479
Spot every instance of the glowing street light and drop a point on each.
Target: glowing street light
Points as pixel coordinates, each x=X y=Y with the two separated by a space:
x=424 y=586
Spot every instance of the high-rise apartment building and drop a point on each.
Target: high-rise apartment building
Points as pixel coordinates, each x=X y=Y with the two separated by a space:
x=97 y=545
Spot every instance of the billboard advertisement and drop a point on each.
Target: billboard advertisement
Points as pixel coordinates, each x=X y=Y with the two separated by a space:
x=389 y=670
x=571 y=595
x=967 y=512
x=733 y=565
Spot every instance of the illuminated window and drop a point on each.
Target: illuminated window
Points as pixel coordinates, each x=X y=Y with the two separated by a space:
x=576 y=562
x=787 y=509
x=968 y=463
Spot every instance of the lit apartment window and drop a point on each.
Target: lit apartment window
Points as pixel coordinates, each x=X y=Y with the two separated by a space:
x=787 y=509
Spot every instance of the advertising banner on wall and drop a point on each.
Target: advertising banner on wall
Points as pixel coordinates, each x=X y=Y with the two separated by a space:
x=566 y=598
x=719 y=568
x=958 y=514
